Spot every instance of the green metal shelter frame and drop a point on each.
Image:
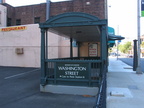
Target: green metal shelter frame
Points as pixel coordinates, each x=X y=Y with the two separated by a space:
x=81 y=27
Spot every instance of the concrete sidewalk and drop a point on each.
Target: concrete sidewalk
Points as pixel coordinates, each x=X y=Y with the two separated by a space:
x=125 y=87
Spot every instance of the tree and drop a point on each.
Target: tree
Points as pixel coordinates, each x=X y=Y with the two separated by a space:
x=125 y=47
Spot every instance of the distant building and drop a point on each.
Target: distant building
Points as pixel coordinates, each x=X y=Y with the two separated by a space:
x=142 y=38
x=3 y=16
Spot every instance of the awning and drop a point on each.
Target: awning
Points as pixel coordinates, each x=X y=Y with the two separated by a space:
x=114 y=37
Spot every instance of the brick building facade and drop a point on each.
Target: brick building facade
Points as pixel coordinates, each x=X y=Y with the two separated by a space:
x=37 y=13
x=25 y=14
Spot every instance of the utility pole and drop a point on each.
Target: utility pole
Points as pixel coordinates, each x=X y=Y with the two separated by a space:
x=138 y=70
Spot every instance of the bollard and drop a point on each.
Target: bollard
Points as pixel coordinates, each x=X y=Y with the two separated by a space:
x=135 y=59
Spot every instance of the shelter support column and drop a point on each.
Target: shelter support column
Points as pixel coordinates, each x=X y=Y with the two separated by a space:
x=78 y=43
x=43 y=64
x=71 y=48
x=104 y=49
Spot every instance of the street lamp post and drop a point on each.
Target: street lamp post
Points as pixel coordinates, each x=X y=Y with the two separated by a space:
x=138 y=70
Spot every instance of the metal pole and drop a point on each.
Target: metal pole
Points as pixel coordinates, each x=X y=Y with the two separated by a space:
x=47 y=9
x=117 y=49
x=135 y=61
x=117 y=41
x=71 y=48
x=43 y=66
x=78 y=43
x=138 y=70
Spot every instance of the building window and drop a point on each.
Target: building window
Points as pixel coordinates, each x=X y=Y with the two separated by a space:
x=18 y=22
x=9 y=21
x=37 y=20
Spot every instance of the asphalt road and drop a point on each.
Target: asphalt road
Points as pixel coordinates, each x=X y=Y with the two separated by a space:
x=129 y=61
x=19 y=88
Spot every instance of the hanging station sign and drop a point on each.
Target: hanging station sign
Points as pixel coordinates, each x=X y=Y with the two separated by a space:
x=92 y=49
x=16 y=28
x=72 y=70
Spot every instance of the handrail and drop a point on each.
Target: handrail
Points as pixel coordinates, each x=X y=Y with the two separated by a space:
x=77 y=58
x=101 y=96
x=66 y=60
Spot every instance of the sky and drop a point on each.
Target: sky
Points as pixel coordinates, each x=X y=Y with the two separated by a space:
x=122 y=15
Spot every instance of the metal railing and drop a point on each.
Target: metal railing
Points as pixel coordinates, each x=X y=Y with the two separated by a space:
x=92 y=76
x=102 y=93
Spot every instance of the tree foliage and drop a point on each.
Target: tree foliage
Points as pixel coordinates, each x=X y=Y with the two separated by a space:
x=125 y=47
x=142 y=44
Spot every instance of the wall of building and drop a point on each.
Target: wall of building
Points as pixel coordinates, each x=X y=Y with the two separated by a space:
x=3 y=16
x=10 y=13
x=93 y=7
x=64 y=48
x=28 y=13
x=29 y=40
x=59 y=47
x=84 y=49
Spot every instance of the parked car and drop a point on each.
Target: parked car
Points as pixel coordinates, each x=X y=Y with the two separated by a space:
x=114 y=54
x=130 y=56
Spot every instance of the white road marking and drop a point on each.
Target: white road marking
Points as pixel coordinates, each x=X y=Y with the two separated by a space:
x=20 y=74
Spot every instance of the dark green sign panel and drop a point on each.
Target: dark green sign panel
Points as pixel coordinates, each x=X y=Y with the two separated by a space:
x=142 y=13
x=72 y=70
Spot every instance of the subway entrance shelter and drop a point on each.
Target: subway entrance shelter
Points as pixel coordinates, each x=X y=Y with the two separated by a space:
x=83 y=70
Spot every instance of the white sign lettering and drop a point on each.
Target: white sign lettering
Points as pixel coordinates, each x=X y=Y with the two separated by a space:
x=73 y=68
